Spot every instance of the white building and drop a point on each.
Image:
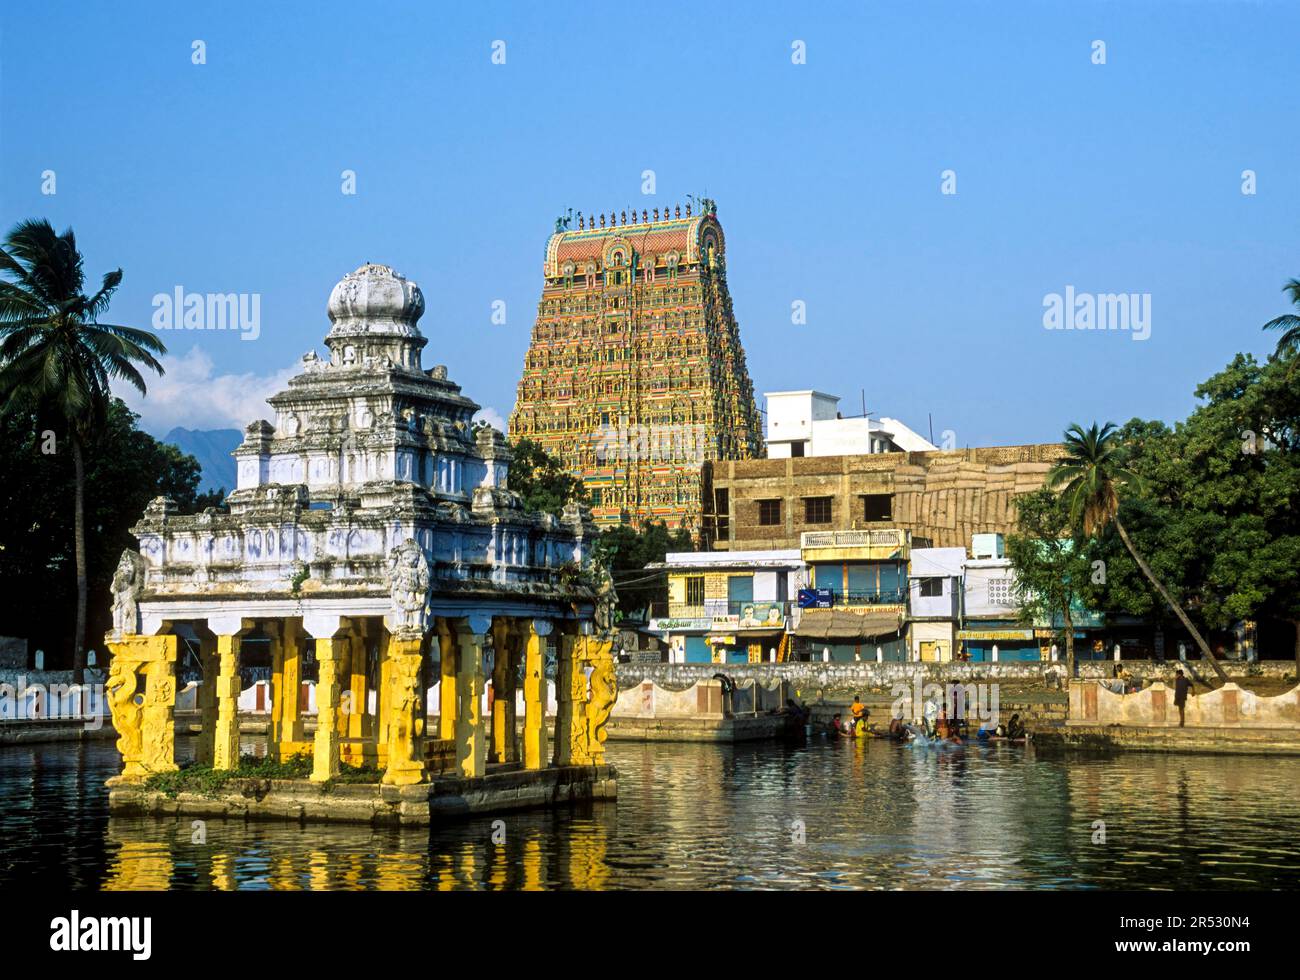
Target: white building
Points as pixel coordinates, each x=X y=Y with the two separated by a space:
x=809 y=423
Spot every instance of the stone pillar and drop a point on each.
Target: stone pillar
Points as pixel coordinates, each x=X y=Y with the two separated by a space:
x=382 y=692
x=447 y=702
x=571 y=703
x=325 y=749
x=405 y=711
x=287 y=707
x=210 y=665
x=471 y=743
x=225 y=746
x=358 y=695
x=535 y=754
x=503 y=692
x=143 y=667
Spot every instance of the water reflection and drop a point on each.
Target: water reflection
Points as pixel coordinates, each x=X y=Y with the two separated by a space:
x=826 y=816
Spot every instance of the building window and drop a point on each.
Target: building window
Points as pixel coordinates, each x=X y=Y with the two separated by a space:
x=769 y=512
x=1000 y=592
x=722 y=511
x=817 y=510
x=695 y=590
x=878 y=507
x=796 y=448
x=932 y=588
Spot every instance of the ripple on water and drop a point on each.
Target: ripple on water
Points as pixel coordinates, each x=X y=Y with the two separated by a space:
x=825 y=816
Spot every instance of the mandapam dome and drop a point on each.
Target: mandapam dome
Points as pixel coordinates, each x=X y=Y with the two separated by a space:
x=375 y=300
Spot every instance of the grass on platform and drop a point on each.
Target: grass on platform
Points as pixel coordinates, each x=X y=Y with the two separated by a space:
x=202 y=779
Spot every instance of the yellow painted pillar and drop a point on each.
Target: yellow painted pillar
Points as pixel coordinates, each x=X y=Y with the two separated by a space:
x=447 y=702
x=471 y=741
x=571 y=703
x=141 y=689
x=382 y=692
x=405 y=711
x=359 y=696
x=225 y=745
x=325 y=749
x=503 y=692
x=286 y=712
x=535 y=754
x=210 y=666
x=275 y=647
x=603 y=683
x=343 y=673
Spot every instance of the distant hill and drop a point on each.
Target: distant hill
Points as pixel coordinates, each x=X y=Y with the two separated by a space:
x=212 y=448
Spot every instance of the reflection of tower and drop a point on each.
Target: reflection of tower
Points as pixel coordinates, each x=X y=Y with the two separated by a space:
x=635 y=333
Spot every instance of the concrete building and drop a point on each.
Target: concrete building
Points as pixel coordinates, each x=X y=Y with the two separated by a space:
x=809 y=423
x=940 y=499
x=934 y=602
x=728 y=608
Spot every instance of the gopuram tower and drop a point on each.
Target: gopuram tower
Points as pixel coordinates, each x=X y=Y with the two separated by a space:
x=635 y=375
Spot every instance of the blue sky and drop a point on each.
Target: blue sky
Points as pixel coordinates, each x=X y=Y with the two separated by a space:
x=1122 y=177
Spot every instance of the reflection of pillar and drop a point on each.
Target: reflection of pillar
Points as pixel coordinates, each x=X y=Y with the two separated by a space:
x=535 y=755
x=570 y=704
x=503 y=691
x=446 y=681
x=405 y=711
x=471 y=744
x=325 y=750
x=209 y=665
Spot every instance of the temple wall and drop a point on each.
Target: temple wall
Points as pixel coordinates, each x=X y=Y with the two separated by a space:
x=1227 y=707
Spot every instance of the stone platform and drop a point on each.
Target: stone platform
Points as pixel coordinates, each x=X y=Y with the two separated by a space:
x=1206 y=740
x=749 y=728
x=303 y=801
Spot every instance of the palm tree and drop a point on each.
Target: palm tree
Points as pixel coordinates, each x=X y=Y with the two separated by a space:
x=1090 y=478
x=1288 y=323
x=56 y=356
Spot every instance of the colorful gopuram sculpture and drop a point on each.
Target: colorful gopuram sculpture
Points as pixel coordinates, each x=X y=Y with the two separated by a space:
x=635 y=375
x=372 y=539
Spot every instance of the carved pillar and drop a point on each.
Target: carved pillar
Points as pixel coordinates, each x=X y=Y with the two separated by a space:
x=471 y=742
x=446 y=681
x=604 y=692
x=225 y=746
x=382 y=691
x=535 y=754
x=571 y=703
x=325 y=749
x=210 y=666
x=503 y=691
x=359 y=696
x=287 y=707
x=405 y=711
x=142 y=697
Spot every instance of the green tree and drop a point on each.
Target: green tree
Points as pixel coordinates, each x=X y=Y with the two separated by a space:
x=1090 y=479
x=540 y=479
x=1288 y=323
x=627 y=551
x=1051 y=566
x=37 y=560
x=56 y=357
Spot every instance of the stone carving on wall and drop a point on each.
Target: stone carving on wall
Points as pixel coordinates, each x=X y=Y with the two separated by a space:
x=408 y=584
x=128 y=584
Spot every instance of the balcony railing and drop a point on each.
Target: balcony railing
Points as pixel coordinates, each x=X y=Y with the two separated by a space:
x=887 y=538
